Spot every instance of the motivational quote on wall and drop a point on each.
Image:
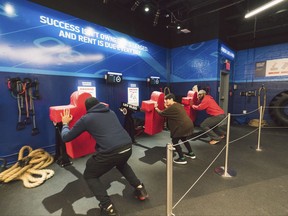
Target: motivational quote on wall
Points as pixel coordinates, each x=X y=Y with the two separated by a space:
x=91 y=36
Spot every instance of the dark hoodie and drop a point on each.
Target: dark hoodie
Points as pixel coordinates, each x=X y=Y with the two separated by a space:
x=103 y=125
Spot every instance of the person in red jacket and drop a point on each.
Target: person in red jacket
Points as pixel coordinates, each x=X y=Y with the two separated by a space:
x=216 y=115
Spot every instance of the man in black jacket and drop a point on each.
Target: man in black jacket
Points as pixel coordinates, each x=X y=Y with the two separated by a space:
x=113 y=149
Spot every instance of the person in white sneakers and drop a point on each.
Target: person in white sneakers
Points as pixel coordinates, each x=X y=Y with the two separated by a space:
x=180 y=125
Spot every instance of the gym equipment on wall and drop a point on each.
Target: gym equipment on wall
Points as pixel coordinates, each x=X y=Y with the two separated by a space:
x=25 y=91
x=166 y=90
x=261 y=93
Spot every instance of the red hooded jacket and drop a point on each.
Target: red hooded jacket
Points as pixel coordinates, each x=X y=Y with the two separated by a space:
x=210 y=105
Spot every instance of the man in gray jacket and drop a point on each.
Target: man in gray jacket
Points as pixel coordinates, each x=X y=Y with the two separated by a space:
x=113 y=149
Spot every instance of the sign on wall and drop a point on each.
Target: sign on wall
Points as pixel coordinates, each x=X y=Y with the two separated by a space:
x=276 y=67
x=60 y=44
x=87 y=86
x=133 y=96
x=227 y=52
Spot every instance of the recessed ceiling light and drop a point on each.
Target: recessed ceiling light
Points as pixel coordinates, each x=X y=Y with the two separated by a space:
x=146 y=9
x=185 y=31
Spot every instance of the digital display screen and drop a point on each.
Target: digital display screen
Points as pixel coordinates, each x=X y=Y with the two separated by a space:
x=112 y=77
x=154 y=80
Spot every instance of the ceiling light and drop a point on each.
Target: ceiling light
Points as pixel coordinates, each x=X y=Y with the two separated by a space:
x=262 y=8
x=156 y=17
x=281 y=11
x=146 y=8
x=136 y=4
x=185 y=31
x=9 y=10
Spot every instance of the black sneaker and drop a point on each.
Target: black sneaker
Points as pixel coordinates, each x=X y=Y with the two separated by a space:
x=109 y=211
x=141 y=193
x=180 y=161
x=190 y=155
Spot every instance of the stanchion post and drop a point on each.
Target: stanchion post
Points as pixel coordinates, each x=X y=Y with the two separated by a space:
x=260 y=126
x=223 y=170
x=227 y=145
x=169 y=166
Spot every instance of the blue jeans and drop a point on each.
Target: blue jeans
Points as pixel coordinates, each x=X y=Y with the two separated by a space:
x=101 y=163
x=209 y=123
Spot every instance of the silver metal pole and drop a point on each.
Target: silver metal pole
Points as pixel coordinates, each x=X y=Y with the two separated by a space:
x=227 y=145
x=169 y=166
x=260 y=126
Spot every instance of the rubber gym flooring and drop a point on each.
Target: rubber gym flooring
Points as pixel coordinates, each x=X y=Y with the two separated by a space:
x=260 y=186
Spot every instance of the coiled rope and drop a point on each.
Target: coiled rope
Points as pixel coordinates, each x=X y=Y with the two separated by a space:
x=29 y=168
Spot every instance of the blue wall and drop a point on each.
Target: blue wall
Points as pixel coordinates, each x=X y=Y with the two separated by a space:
x=50 y=47
x=199 y=64
x=247 y=80
x=59 y=55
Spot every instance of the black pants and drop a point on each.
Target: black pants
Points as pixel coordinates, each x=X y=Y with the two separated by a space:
x=178 y=147
x=210 y=122
x=129 y=125
x=100 y=163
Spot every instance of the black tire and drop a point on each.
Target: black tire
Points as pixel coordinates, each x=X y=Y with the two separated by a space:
x=279 y=114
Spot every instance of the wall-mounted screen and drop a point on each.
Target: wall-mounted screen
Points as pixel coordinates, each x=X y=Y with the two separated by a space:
x=153 y=80
x=113 y=77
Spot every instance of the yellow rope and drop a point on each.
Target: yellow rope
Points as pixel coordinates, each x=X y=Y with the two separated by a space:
x=29 y=168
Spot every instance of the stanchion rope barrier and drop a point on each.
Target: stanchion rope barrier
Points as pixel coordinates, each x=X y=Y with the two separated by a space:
x=242 y=114
x=267 y=107
x=196 y=137
x=210 y=166
x=219 y=152
x=211 y=163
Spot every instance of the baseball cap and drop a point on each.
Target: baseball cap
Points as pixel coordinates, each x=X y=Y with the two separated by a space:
x=202 y=92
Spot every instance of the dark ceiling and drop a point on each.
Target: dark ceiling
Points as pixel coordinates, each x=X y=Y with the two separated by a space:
x=205 y=19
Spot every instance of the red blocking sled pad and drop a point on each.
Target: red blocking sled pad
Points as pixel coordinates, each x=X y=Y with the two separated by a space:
x=83 y=144
x=153 y=121
x=186 y=101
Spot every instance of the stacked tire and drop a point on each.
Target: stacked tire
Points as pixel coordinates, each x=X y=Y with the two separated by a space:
x=278 y=109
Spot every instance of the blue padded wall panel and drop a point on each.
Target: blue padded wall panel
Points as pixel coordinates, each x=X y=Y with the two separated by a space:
x=195 y=62
x=59 y=50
